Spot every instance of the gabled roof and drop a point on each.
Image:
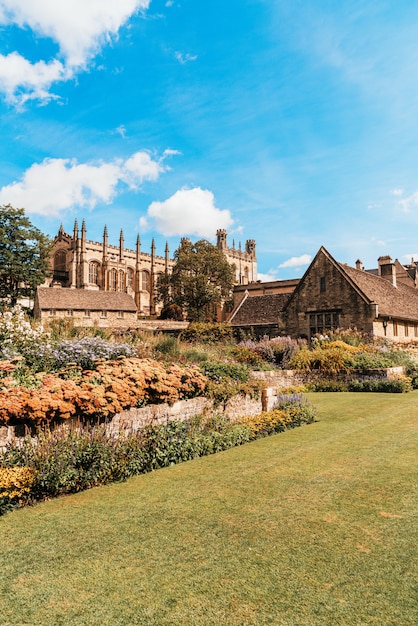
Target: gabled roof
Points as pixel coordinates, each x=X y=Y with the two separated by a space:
x=83 y=299
x=400 y=301
x=262 y=309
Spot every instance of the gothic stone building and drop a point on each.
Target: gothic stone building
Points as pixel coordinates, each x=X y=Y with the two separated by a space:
x=95 y=282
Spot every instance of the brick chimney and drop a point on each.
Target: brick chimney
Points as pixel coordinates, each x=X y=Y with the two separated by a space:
x=386 y=269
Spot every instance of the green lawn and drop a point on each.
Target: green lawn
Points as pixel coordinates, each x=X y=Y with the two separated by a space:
x=314 y=526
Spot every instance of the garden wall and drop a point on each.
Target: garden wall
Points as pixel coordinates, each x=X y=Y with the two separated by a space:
x=134 y=419
x=293 y=378
x=238 y=406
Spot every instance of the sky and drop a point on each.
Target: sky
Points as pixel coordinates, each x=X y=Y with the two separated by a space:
x=291 y=122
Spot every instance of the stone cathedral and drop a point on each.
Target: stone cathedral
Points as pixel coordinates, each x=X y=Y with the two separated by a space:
x=79 y=263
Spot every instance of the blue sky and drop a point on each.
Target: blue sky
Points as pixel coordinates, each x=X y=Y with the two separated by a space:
x=292 y=122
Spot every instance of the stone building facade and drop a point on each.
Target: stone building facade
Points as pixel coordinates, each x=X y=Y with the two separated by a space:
x=79 y=264
x=333 y=295
x=382 y=302
x=243 y=261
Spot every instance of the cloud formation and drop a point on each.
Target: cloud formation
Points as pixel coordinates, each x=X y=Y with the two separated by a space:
x=188 y=212
x=297 y=261
x=185 y=57
x=80 y=28
x=409 y=203
x=56 y=185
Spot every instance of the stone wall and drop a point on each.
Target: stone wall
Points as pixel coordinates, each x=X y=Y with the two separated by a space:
x=134 y=419
x=294 y=378
x=238 y=406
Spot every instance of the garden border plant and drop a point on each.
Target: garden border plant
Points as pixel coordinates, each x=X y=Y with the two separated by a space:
x=76 y=457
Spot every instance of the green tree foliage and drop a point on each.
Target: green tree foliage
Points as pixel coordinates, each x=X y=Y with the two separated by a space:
x=24 y=253
x=202 y=280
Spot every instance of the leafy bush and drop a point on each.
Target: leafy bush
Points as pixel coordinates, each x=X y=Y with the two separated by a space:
x=401 y=384
x=71 y=459
x=216 y=371
x=20 y=338
x=327 y=385
x=277 y=351
x=172 y=312
x=248 y=356
x=226 y=380
x=207 y=333
x=196 y=356
x=168 y=346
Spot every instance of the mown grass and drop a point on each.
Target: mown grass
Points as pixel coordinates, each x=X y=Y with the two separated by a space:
x=311 y=527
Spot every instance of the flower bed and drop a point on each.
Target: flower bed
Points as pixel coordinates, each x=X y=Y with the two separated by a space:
x=98 y=394
x=72 y=458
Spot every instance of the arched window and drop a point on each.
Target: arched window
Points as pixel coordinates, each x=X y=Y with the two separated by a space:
x=60 y=267
x=130 y=278
x=60 y=261
x=94 y=272
x=121 y=280
x=146 y=281
x=113 y=280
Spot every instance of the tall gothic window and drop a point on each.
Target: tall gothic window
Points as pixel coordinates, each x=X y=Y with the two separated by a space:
x=94 y=273
x=113 y=280
x=146 y=281
x=60 y=261
x=130 y=278
x=121 y=280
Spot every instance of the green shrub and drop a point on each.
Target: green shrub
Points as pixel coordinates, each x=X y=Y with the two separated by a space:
x=196 y=356
x=234 y=371
x=397 y=385
x=327 y=385
x=71 y=459
x=248 y=356
x=168 y=345
x=207 y=333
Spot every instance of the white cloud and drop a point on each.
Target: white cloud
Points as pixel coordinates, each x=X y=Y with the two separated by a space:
x=80 y=28
x=188 y=212
x=406 y=204
x=121 y=130
x=297 y=261
x=266 y=278
x=185 y=57
x=410 y=257
x=56 y=185
x=396 y=192
x=21 y=80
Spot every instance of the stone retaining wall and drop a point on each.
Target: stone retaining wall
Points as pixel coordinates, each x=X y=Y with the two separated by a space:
x=294 y=378
x=134 y=419
x=238 y=406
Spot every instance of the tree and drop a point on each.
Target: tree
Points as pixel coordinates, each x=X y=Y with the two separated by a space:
x=24 y=254
x=201 y=280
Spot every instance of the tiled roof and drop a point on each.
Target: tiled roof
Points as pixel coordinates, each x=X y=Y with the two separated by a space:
x=400 y=301
x=260 y=309
x=84 y=299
